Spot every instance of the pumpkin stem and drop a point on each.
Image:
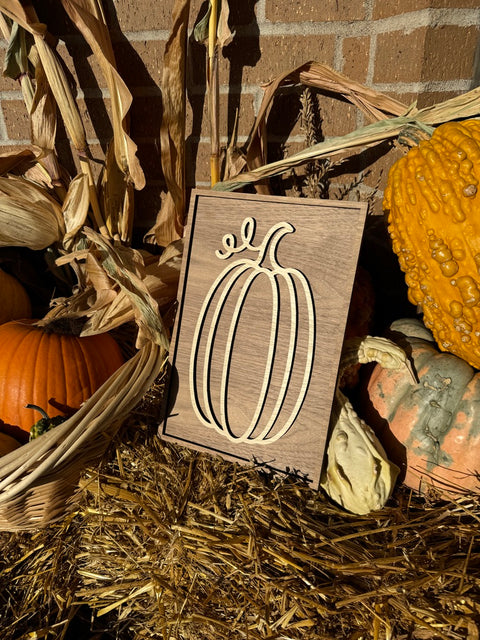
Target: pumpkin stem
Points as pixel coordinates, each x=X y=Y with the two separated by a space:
x=272 y=239
x=43 y=413
x=269 y=242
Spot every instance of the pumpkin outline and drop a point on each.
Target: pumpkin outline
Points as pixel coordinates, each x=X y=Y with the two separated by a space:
x=229 y=278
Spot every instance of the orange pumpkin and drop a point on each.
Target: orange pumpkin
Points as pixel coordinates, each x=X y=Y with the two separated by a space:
x=431 y=430
x=14 y=300
x=51 y=370
x=7 y=444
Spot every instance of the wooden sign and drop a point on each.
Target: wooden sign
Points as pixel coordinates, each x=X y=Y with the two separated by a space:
x=263 y=300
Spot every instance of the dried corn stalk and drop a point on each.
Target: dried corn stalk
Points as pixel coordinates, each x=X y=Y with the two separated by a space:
x=171 y=218
x=373 y=104
x=213 y=30
x=123 y=170
x=120 y=285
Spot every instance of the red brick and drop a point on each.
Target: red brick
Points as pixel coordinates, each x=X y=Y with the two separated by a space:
x=428 y=99
x=338 y=117
x=356 y=53
x=399 y=56
x=7 y=84
x=198 y=106
x=425 y=99
x=81 y=65
x=140 y=63
x=12 y=149
x=16 y=119
x=95 y=115
x=130 y=15
x=387 y=8
x=441 y=45
x=254 y=61
x=301 y=11
x=284 y=116
x=198 y=163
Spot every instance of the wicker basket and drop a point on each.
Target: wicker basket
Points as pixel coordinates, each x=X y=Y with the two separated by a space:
x=39 y=480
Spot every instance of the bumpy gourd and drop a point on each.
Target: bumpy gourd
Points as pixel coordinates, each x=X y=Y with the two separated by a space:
x=433 y=207
x=45 y=423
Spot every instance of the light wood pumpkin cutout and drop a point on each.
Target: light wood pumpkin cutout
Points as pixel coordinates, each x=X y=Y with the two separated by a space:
x=263 y=300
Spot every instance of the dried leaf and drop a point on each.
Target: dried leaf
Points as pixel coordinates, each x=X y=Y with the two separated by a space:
x=63 y=96
x=117 y=198
x=24 y=15
x=60 y=87
x=17 y=160
x=75 y=208
x=375 y=105
x=89 y=19
x=16 y=58
x=16 y=63
x=43 y=122
x=103 y=302
x=122 y=271
x=43 y=110
x=96 y=276
x=224 y=33
x=171 y=218
x=464 y=106
x=29 y=216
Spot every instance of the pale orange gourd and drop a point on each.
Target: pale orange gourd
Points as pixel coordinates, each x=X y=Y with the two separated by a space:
x=50 y=370
x=429 y=429
x=14 y=300
x=433 y=205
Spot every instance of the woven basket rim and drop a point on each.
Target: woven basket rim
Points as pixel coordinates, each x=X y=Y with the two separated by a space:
x=36 y=468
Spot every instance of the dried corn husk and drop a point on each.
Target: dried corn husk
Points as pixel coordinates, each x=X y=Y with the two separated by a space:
x=75 y=208
x=213 y=30
x=171 y=218
x=27 y=18
x=88 y=17
x=17 y=65
x=122 y=170
x=104 y=303
x=29 y=216
x=375 y=105
x=19 y=160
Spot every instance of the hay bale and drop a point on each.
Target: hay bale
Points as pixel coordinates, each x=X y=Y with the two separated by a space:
x=171 y=543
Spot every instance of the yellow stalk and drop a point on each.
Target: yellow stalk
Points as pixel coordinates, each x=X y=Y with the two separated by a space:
x=212 y=78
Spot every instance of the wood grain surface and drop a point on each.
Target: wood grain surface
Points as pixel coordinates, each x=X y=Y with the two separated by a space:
x=263 y=300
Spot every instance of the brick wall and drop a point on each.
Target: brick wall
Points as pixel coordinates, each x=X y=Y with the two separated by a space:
x=425 y=49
